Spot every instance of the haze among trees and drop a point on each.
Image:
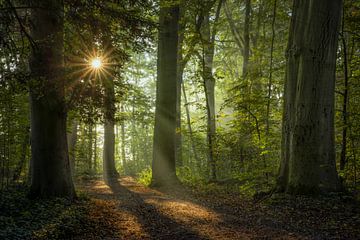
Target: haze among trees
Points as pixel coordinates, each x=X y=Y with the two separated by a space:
x=179 y=119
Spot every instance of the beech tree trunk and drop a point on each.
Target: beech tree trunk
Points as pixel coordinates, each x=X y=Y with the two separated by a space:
x=308 y=153
x=109 y=170
x=164 y=149
x=208 y=45
x=246 y=39
x=51 y=175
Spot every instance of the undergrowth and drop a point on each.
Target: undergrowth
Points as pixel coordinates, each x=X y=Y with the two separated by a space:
x=58 y=218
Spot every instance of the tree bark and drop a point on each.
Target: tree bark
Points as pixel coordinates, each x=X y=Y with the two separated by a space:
x=123 y=153
x=208 y=45
x=345 y=99
x=164 y=149
x=308 y=153
x=246 y=38
x=51 y=174
x=109 y=169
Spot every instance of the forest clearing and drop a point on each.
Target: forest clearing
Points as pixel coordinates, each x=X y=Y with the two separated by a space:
x=179 y=119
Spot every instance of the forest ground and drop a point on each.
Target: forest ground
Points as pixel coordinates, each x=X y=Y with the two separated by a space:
x=126 y=209
x=130 y=210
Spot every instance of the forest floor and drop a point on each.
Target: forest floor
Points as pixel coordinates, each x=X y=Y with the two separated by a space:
x=128 y=210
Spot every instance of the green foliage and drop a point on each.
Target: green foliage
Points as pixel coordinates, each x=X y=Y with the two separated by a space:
x=144 y=177
x=57 y=218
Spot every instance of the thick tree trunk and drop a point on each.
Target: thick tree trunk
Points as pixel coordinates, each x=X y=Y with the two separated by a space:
x=51 y=174
x=308 y=153
x=164 y=149
x=109 y=170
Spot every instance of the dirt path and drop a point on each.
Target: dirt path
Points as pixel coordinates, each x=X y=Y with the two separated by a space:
x=138 y=212
x=144 y=213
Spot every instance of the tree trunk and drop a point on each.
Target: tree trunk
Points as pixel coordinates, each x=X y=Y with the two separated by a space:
x=123 y=153
x=24 y=147
x=95 y=150
x=246 y=39
x=164 y=149
x=189 y=125
x=180 y=72
x=208 y=45
x=345 y=99
x=51 y=175
x=308 y=153
x=109 y=170
x=72 y=139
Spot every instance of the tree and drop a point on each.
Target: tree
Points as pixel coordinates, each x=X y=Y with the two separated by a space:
x=164 y=150
x=109 y=169
x=208 y=46
x=308 y=153
x=51 y=175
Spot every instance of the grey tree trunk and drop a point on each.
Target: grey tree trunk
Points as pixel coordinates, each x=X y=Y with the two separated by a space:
x=109 y=170
x=246 y=37
x=308 y=153
x=164 y=149
x=51 y=174
x=197 y=160
x=180 y=72
x=208 y=45
x=123 y=153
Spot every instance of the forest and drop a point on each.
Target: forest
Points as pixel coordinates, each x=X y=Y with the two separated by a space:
x=179 y=119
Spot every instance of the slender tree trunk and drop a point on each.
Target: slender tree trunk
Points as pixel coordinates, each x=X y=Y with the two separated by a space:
x=270 y=82
x=123 y=153
x=164 y=149
x=180 y=72
x=208 y=44
x=90 y=160
x=308 y=152
x=51 y=175
x=72 y=139
x=246 y=39
x=345 y=100
x=189 y=125
x=24 y=147
x=95 y=150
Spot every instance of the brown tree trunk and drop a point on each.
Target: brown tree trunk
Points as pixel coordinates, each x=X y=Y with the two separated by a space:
x=51 y=174
x=308 y=153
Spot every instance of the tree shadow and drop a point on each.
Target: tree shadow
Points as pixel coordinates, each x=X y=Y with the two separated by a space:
x=153 y=222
